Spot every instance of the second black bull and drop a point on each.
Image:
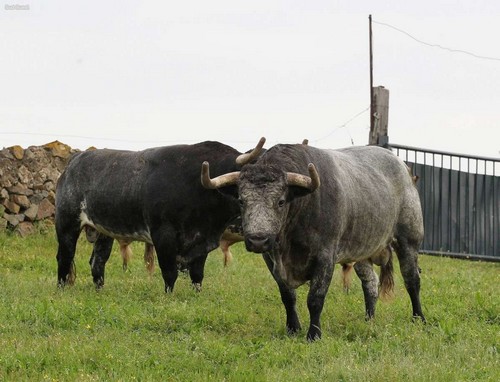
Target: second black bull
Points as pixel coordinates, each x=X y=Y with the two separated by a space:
x=154 y=196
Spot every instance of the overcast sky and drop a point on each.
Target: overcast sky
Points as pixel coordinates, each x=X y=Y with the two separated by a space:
x=139 y=74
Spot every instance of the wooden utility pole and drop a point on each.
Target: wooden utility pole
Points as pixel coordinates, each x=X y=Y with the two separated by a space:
x=371 y=75
x=379 y=133
x=379 y=105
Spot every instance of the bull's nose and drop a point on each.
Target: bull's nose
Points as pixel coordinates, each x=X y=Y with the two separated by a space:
x=258 y=244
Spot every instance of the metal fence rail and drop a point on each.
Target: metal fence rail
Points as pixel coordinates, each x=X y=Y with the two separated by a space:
x=460 y=197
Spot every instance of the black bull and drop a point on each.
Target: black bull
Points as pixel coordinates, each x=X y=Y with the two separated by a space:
x=366 y=202
x=153 y=196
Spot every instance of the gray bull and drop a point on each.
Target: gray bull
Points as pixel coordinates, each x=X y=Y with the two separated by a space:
x=366 y=202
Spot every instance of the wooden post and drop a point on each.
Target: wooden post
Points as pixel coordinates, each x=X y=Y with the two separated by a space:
x=379 y=133
x=371 y=73
x=379 y=104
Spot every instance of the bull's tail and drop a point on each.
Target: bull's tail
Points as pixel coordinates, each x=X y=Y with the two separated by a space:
x=70 y=280
x=386 y=285
x=149 y=258
x=347 y=276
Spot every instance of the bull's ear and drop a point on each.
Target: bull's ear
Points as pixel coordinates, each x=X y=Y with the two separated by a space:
x=231 y=191
x=301 y=185
x=297 y=192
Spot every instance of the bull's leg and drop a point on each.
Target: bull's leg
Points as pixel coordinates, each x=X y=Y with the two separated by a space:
x=168 y=266
x=369 y=282
x=227 y=255
x=407 y=255
x=233 y=234
x=126 y=253
x=169 y=272
x=100 y=255
x=65 y=256
x=166 y=251
x=289 y=299
x=149 y=257
x=65 y=262
x=320 y=283
x=197 y=270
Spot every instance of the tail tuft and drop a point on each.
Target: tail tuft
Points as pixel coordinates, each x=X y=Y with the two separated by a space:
x=386 y=285
x=149 y=258
x=347 y=276
x=70 y=279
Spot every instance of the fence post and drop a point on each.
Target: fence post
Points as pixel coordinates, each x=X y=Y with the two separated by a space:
x=379 y=129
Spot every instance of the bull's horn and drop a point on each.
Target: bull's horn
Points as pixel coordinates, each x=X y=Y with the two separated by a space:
x=310 y=182
x=218 y=182
x=248 y=157
x=305 y=142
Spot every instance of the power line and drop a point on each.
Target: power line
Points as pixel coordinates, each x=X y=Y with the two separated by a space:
x=344 y=125
x=93 y=139
x=89 y=137
x=437 y=45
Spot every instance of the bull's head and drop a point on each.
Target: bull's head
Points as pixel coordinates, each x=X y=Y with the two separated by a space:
x=264 y=193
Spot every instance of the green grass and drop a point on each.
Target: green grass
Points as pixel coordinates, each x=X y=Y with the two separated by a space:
x=234 y=330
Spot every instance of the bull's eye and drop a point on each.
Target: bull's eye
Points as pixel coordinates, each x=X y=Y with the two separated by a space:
x=281 y=202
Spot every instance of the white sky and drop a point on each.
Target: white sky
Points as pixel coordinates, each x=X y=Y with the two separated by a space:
x=139 y=74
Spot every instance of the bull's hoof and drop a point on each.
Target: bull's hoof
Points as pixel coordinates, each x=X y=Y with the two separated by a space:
x=98 y=283
x=293 y=329
x=197 y=287
x=419 y=317
x=68 y=280
x=314 y=333
x=369 y=315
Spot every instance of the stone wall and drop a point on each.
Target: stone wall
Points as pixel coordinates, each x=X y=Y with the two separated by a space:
x=28 y=179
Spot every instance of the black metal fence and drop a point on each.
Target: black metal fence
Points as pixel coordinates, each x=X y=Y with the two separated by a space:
x=460 y=197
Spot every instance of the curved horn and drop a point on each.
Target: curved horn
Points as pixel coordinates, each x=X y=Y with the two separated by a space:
x=248 y=157
x=305 y=142
x=310 y=182
x=221 y=181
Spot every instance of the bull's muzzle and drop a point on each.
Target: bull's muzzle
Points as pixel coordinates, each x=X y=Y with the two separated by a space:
x=259 y=243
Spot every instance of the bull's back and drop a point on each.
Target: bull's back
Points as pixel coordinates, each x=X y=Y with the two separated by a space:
x=124 y=193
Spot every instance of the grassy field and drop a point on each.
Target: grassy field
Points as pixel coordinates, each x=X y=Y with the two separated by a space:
x=234 y=330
